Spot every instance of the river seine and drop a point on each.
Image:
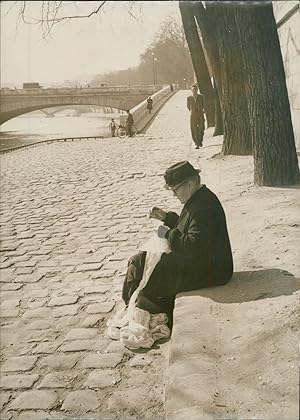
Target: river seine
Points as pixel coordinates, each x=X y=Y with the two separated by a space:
x=35 y=127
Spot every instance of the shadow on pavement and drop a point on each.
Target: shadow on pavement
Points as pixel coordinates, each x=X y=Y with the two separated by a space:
x=287 y=187
x=247 y=286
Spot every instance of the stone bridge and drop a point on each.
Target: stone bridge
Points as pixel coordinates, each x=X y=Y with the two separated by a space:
x=18 y=102
x=80 y=109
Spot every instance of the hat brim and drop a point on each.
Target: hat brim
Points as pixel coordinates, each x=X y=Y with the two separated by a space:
x=170 y=187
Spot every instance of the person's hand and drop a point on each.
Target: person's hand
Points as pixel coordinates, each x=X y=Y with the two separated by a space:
x=162 y=231
x=157 y=213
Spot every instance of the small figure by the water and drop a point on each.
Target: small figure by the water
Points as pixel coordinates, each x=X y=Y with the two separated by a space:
x=149 y=104
x=129 y=123
x=112 y=127
x=195 y=104
x=200 y=253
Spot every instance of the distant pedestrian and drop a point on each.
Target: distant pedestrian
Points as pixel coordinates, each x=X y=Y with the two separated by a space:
x=129 y=124
x=112 y=127
x=195 y=104
x=149 y=104
x=171 y=87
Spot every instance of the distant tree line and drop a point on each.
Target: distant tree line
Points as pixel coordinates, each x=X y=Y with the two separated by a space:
x=167 y=60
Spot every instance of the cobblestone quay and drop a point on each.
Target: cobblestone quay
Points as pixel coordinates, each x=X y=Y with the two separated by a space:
x=71 y=216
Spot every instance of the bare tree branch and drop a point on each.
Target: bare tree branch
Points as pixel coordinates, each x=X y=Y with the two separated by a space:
x=46 y=13
x=11 y=7
x=22 y=11
x=53 y=13
x=131 y=6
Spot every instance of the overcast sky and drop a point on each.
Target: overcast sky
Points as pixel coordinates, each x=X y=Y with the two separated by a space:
x=111 y=40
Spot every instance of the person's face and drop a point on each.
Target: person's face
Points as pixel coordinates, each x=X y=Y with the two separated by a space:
x=194 y=90
x=182 y=192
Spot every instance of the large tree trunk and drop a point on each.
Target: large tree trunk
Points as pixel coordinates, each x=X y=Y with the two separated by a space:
x=219 y=33
x=206 y=27
x=237 y=137
x=275 y=158
x=218 y=114
x=198 y=59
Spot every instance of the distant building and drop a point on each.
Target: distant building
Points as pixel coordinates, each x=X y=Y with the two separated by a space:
x=31 y=85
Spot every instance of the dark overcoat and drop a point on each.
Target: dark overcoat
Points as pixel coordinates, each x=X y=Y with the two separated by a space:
x=129 y=120
x=200 y=249
x=149 y=103
x=196 y=105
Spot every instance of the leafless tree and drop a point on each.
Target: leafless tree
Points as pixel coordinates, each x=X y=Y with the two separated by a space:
x=52 y=13
x=171 y=51
x=172 y=60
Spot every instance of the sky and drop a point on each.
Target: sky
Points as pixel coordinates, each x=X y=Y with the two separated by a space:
x=111 y=40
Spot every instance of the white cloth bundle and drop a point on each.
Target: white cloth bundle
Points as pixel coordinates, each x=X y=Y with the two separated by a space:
x=135 y=327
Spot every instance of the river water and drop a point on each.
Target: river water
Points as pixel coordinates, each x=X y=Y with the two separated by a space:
x=35 y=127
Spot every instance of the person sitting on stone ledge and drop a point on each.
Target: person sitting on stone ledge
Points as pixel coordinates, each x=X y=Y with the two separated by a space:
x=198 y=239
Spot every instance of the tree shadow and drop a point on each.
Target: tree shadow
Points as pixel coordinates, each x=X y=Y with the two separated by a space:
x=287 y=187
x=247 y=286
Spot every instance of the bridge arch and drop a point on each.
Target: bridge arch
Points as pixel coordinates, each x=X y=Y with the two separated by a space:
x=6 y=116
x=80 y=109
x=16 y=103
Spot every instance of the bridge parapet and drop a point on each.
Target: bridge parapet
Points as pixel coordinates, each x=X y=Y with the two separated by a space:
x=149 y=89
x=18 y=102
x=140 y=113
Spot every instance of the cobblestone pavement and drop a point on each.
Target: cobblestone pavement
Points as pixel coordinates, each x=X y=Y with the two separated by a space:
x=71 y=216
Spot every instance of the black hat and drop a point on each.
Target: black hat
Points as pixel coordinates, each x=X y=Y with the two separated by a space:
x=179 y=173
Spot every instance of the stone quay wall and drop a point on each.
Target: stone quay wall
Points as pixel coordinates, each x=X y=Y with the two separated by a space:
x=140 y=113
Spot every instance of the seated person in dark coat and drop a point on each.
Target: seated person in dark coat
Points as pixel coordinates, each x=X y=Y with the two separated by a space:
x=200 y=248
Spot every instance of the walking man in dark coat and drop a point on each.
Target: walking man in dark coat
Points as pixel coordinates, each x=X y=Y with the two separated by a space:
x=195 y=104
x=200 y=248
x=149 y=104
x=129 y=123
x=112 y=127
